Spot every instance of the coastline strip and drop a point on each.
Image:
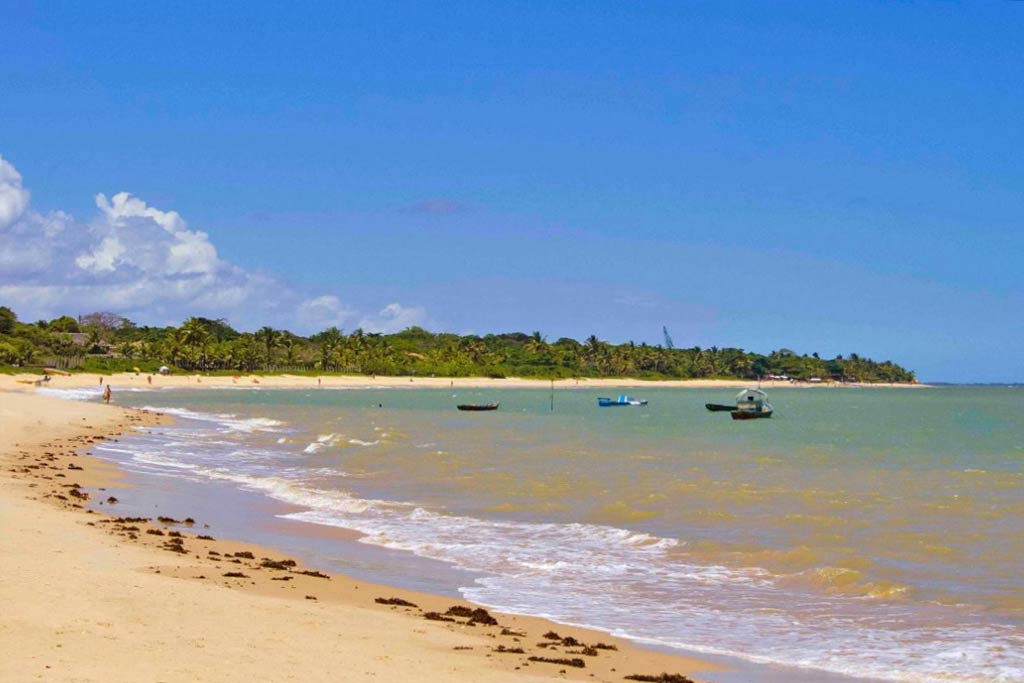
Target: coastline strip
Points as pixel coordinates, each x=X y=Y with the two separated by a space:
x=133 y=381
x=94 y=596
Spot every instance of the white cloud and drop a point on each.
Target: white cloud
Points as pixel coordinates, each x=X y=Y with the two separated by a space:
x=13 y=197
x=104 y=258
x=145 y=263
x=124 y=206
x=324 y=311
x=394 y=318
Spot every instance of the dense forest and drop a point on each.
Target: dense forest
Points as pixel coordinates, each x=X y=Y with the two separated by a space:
x=104 y=342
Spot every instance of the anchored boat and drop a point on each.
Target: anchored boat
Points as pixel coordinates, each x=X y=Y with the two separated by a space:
x=478 y=406
x=622 y=400
x=752 y=404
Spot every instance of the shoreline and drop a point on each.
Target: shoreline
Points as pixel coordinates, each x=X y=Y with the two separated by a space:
x=187 y=588
x=26 y=381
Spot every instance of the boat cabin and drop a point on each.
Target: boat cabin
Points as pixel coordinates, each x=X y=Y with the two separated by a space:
x=751 y=399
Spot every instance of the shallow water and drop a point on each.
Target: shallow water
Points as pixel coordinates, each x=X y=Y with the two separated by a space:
x=873 y=532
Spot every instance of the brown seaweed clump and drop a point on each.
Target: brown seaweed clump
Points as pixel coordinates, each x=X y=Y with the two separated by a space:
x=575 y=661
x=660 y=678
x=434 y=616
x=476 y=616
x=277 y=564
x=398 y=602
x=309 y=572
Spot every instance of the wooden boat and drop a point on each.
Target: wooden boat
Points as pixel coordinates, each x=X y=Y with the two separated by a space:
x=620 y=401
x=752 y=404
x=751 y=414
x=478 y=406
x=719 y=408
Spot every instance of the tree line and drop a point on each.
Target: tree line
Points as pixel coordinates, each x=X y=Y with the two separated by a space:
x=108 y=342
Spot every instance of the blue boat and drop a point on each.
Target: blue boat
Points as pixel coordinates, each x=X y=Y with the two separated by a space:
x=622 y=400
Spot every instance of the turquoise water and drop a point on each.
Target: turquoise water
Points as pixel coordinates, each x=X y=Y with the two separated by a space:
x=875 y=532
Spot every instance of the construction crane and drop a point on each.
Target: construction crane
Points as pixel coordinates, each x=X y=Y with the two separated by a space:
x=668 y=338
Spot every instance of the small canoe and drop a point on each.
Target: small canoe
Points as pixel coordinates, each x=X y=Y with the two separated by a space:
x=478 y=407
x=719 y=408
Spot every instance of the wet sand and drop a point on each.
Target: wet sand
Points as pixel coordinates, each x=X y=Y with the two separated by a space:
x=90 y=596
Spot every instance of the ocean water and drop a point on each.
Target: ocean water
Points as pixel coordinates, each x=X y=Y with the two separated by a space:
x=869 y=532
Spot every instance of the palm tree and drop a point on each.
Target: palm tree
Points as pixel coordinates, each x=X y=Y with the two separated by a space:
x=290 y=349
x=92 y=343
x=174 y=344
x=127 y=349
x=195 y=336
x=330 y=340
x=594 y=351
x=537 y=347
x=270 y=338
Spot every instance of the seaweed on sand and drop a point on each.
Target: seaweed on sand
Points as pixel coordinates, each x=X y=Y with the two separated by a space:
x=575 y=661
x=398 y=602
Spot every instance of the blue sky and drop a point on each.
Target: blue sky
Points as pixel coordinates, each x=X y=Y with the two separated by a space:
x=822 y=176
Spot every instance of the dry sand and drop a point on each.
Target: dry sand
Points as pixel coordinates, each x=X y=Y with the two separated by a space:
x=92 y=597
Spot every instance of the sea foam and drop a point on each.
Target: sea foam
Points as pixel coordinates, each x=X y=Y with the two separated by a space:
x=630 y=583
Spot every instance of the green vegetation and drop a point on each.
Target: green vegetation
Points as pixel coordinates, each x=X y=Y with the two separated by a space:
x=103 y=342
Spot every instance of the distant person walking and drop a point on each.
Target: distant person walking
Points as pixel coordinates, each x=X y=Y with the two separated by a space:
x=149 y=379
x=106 y=394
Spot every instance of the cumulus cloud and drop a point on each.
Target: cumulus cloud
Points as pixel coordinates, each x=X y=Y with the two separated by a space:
x=325 y=311
x=13 y=197
x=394 y=318
x=146 y=263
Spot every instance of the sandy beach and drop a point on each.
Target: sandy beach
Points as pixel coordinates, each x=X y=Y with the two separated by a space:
x=284 y=381
x=90 y=596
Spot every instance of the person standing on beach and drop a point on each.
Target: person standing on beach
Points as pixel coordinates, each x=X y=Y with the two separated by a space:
x=106 y=394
